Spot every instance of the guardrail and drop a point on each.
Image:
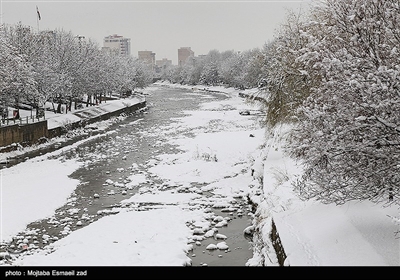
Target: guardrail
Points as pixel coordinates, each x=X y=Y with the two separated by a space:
x=21 y=121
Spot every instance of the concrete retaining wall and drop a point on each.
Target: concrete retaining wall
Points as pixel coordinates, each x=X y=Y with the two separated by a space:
x=28 y=134
x=23 y=134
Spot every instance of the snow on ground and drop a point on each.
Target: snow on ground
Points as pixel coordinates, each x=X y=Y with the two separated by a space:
x=56 y=120
x=156 y=225
x=32 y=190
x=358 y=233
x=129 y=238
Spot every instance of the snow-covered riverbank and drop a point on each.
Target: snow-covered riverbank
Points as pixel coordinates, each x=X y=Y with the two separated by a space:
x=358 y=233
x=178 y=215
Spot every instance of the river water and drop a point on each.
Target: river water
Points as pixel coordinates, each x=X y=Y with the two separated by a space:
x=109 y=157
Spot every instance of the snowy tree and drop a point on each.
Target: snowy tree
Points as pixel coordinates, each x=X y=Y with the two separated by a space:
x=348 y=129
x=60 y=67
x=143 y=75
x=210 y=73
x=285 y=80
x=252 y=71
x=92 y=72
x=17 y=82
x=231 y=69
x=228 y=68
x=130 y=74
x=175 y=74
x=198 y=65
x=191 y=70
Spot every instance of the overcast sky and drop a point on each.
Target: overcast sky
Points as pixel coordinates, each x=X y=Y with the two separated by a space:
x=159 y=26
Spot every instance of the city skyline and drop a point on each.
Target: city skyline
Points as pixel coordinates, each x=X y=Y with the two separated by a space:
x=159 y=26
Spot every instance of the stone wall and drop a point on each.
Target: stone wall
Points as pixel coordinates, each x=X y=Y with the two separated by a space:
x=23 y=134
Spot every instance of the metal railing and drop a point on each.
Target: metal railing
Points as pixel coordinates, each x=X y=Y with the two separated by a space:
x=21 y=121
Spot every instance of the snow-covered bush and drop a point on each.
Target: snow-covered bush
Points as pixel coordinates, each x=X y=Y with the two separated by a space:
x=348 y=129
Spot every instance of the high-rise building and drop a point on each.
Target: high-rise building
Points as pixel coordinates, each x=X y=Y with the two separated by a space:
x=164 y=63
x=149 y=57
x=183 y=54
x=118 y=44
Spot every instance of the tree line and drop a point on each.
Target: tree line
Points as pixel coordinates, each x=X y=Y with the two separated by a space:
x=229 y=68
x=333 y=73
x=61 y=68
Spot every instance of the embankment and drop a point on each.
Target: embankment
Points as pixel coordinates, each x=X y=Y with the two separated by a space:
x=83 y=121
x=16 y=135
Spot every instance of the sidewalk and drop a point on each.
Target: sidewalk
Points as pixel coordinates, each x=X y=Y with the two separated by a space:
x=59 y=120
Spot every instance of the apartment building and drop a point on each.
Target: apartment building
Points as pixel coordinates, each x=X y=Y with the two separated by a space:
x=183 y=54
x=117 y=44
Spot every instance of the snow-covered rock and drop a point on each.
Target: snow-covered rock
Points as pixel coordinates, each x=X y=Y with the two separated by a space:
x=211 y=247
x=218 y=219
x=249 y=230
x=109 y=182
x=220 y=236
x=221 y=223
x=209 y=233
x=222 y=245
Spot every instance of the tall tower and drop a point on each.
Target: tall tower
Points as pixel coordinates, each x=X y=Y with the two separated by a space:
x=183 y=54
x=118 y=44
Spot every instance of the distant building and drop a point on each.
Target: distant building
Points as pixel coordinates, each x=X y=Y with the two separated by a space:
x=164 y=63
x=118 y=44
x=183 y=54
x=149 y=57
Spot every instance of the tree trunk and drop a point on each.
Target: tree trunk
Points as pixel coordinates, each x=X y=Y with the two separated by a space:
x=54 y=108
x=70 y=104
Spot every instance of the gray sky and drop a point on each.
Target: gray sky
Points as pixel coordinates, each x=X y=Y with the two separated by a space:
x=159 y=26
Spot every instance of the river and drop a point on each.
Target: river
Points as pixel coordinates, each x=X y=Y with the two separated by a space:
x=109 y=158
